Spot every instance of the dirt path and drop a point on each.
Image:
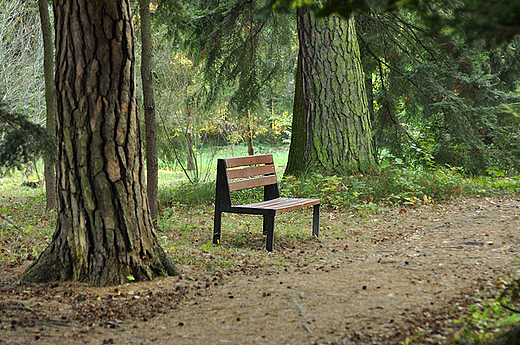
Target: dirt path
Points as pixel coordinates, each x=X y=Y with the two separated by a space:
x=397 y=274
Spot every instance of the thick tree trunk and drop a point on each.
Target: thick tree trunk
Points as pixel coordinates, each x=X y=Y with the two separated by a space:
x=50 y=102
x=339 y=137
x=104 y=233
x=296 y=159
x=152 y=165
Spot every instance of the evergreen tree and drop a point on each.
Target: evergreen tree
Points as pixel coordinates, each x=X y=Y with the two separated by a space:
x=436 y=100
x=23 y=141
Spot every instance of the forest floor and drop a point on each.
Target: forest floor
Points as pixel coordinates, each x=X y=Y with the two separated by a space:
x=403 y=273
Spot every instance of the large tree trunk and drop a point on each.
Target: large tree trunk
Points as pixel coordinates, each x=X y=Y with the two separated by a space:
x=152 y=165
x=50 y=102
x=104 y=233
x=339 y=137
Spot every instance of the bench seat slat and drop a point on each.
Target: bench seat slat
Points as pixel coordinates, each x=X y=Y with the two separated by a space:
x=248 y=160
x=251 y=171
x=282 y=204
x=252 y=182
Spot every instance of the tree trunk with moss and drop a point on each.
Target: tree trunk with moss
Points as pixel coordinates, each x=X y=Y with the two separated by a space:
x=104 y=233
x=50 y=102
x=339 y=137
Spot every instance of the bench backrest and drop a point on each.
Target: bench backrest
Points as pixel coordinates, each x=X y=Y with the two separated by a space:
x=243 y=173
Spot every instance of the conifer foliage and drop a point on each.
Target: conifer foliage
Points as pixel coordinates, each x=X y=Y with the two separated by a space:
x=438 y=99
x=21 y=140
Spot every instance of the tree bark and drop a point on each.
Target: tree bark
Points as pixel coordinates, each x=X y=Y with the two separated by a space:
x=152 y=165
x=50 y=102
x=190 y=155
x=104 y=234
x=249 y=135
x=339 y=137
x=296 y=159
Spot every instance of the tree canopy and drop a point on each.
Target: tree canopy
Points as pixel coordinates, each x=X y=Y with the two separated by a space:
x=494 y=20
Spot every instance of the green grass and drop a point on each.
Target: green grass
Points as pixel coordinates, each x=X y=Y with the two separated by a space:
x=29 y=227
x=186 y=220
x=174 y=187
x=207 y=159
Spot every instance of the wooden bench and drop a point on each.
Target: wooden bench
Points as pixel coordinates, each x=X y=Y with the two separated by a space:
x=240 y=173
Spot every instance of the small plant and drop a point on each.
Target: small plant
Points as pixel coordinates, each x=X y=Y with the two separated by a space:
x=495 y=172
x=208 y=246
x=491 y=318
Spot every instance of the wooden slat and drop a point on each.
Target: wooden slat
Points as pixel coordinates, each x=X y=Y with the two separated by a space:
x=283 y=204
x=252 y=182
x=248 y=160
x=251 y=171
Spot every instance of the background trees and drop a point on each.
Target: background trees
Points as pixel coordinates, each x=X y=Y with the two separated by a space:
x=50 y=101
x=244 y=58
x=21 y=85
x=229 y=75
x=152 y=166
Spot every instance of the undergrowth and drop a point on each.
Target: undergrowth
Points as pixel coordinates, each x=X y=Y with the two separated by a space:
x=492 y=321
x=25 y=226
x=394 y=184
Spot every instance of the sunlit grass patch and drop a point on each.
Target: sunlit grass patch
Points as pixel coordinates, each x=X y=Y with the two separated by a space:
x=25 y=226
x=187 y=233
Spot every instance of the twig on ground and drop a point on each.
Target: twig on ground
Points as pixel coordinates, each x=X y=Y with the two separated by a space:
x=4 y=217
x=510 y=309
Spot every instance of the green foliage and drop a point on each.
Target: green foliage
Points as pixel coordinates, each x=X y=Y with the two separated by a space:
x=196 y=193
x=491 y=319
x=492 y=20
x=243 y=66
x=436 y=95
x=396 y=183
x=393 y=186
x=23 y=141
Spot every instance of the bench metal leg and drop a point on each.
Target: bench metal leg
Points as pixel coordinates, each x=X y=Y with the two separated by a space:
x=264 y=230
x=316 y=220
x=217 y=226
x=269 y=230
